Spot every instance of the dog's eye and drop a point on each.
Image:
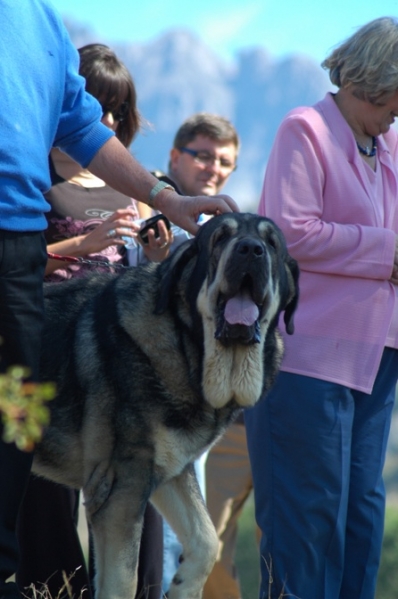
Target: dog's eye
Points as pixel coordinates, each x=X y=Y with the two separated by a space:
x=221 y=236
x=272 y=242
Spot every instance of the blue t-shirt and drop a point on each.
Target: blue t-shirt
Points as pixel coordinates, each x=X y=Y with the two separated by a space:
x=43 y=103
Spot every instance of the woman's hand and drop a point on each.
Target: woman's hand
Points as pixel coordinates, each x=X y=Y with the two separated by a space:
x=110 y=232
x=157 y=248
x=120 y=224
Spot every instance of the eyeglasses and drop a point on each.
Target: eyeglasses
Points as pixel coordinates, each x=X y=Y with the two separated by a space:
x=120 y=114
x=206 y=159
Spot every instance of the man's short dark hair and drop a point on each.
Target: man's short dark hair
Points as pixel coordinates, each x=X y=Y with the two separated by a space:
x=209 y=125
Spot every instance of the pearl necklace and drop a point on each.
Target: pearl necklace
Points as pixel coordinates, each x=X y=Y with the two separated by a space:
x=366 y=151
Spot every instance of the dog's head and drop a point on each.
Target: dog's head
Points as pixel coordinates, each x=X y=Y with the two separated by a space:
x=248 y=272
x=240 y=277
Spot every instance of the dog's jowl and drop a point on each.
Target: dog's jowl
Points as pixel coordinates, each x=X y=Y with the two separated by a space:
x=151 y=366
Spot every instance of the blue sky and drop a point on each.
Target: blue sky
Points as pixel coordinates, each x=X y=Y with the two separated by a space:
x=283 y=27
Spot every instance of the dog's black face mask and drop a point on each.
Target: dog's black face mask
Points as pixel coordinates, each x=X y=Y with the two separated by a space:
x=240 y=308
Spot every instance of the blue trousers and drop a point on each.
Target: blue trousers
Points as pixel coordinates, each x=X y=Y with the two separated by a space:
x=317 y=451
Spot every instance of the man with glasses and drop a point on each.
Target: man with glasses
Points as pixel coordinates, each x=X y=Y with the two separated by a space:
x=203 y=156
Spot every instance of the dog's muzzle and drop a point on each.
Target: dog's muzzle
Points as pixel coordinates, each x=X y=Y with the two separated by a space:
x=239 y=310
x=238 y=321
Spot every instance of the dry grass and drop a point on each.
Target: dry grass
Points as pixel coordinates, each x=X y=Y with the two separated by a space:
x=65 y=591
x=248 y=557
x=271 y=581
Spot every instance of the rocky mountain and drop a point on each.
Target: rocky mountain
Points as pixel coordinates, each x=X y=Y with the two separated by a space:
x=177 y=74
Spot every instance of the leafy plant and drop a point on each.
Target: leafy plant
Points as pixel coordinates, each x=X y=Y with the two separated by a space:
x=23 y=408
x=387 y=583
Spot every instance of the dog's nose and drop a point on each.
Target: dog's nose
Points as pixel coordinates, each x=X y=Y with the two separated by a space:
x=250 y=248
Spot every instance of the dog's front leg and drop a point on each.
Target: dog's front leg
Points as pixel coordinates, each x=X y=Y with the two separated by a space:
x=114 y=508
x=181 y=503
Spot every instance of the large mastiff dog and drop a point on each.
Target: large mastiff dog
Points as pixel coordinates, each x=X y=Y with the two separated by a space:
x=151 y=366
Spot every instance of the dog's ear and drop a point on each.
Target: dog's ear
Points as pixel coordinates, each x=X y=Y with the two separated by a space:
x=293 y=274
x=172 y=269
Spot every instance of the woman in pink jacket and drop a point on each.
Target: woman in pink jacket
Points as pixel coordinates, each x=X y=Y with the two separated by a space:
x=317 y=443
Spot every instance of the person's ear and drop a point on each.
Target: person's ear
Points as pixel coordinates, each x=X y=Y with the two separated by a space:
x=175 y=155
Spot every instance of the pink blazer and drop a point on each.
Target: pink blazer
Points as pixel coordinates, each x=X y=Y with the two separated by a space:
x=317 y=190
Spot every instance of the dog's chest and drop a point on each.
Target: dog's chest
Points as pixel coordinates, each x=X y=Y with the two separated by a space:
x=175 y=449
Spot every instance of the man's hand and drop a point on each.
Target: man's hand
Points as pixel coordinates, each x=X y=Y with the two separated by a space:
x=184 y=211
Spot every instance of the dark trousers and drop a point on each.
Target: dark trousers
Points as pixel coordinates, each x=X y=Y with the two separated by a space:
x=49 y=541
x=47 y=531
x=22 y=262
x=317 y=451
x=50 y=544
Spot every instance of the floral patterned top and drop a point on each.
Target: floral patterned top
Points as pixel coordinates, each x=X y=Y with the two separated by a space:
x=77 y=210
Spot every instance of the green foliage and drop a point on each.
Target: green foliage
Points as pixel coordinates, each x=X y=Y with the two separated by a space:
x=387 y=584
x=247 y=552
x=22 y=408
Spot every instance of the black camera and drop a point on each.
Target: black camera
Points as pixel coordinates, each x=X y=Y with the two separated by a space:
x=152 y=223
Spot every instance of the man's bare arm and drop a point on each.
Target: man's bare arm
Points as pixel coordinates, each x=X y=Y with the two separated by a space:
x=119 y=169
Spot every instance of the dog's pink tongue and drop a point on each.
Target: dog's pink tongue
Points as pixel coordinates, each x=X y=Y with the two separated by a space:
x=241 y=309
